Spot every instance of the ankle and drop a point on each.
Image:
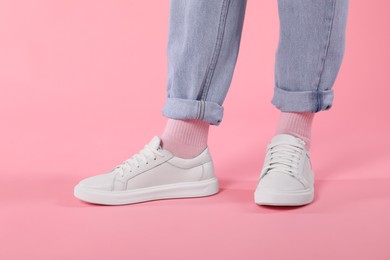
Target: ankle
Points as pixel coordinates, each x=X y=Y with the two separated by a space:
x=185 y=138
x=298 y=124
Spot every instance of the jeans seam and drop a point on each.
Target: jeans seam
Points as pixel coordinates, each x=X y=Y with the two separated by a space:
x=217 y=49
x=324 y=56
x=199 y=110
x=204 y=109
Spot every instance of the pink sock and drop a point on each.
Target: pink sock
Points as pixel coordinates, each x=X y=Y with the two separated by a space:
x=297 y=124
x=185 y=138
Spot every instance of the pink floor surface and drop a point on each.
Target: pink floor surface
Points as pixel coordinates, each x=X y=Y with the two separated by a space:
x=349 y=218
x=73 y=82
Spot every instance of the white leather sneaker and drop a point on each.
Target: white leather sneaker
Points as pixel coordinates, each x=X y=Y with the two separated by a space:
x=287 y=178
x=152 y=174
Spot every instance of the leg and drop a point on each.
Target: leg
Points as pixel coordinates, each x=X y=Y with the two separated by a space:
x=310 y=51
x=308 y=58
x=203 y=45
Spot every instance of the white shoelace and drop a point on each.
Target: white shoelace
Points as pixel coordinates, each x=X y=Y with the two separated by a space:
x=284 y=158
x=146 y=154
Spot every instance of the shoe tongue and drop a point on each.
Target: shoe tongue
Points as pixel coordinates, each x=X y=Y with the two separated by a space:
x=155 y=142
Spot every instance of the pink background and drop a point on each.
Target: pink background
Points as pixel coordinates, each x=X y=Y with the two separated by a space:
x=82 y=84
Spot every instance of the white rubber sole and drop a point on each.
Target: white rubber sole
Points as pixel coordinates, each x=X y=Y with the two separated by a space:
x=170 y=191
x=278 y=198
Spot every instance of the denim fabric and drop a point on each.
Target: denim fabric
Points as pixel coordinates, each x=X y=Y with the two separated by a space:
x=203 y=44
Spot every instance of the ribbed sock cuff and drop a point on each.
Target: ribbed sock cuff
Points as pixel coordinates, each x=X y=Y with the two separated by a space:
x=185 y=138
x=298 y=124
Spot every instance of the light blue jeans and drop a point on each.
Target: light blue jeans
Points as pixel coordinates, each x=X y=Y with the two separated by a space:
x=203 y=45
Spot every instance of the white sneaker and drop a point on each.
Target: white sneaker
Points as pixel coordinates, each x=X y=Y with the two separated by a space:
x=152 y=174
x=287 y=178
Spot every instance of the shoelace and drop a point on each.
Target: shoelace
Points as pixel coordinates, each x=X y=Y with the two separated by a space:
x=284 y=158
x=135 y=161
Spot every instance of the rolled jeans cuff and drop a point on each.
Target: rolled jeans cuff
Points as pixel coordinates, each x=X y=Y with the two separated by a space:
x=179 y=108
x=302 y=101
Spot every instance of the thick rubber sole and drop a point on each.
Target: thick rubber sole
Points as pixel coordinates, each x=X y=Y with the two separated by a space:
x=278 y=198
x=170 y=191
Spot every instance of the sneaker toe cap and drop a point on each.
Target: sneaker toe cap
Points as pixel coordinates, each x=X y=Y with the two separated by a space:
x=98 y=182
x=281 y=182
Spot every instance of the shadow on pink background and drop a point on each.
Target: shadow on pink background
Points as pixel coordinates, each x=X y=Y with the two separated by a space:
x=82 y=84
